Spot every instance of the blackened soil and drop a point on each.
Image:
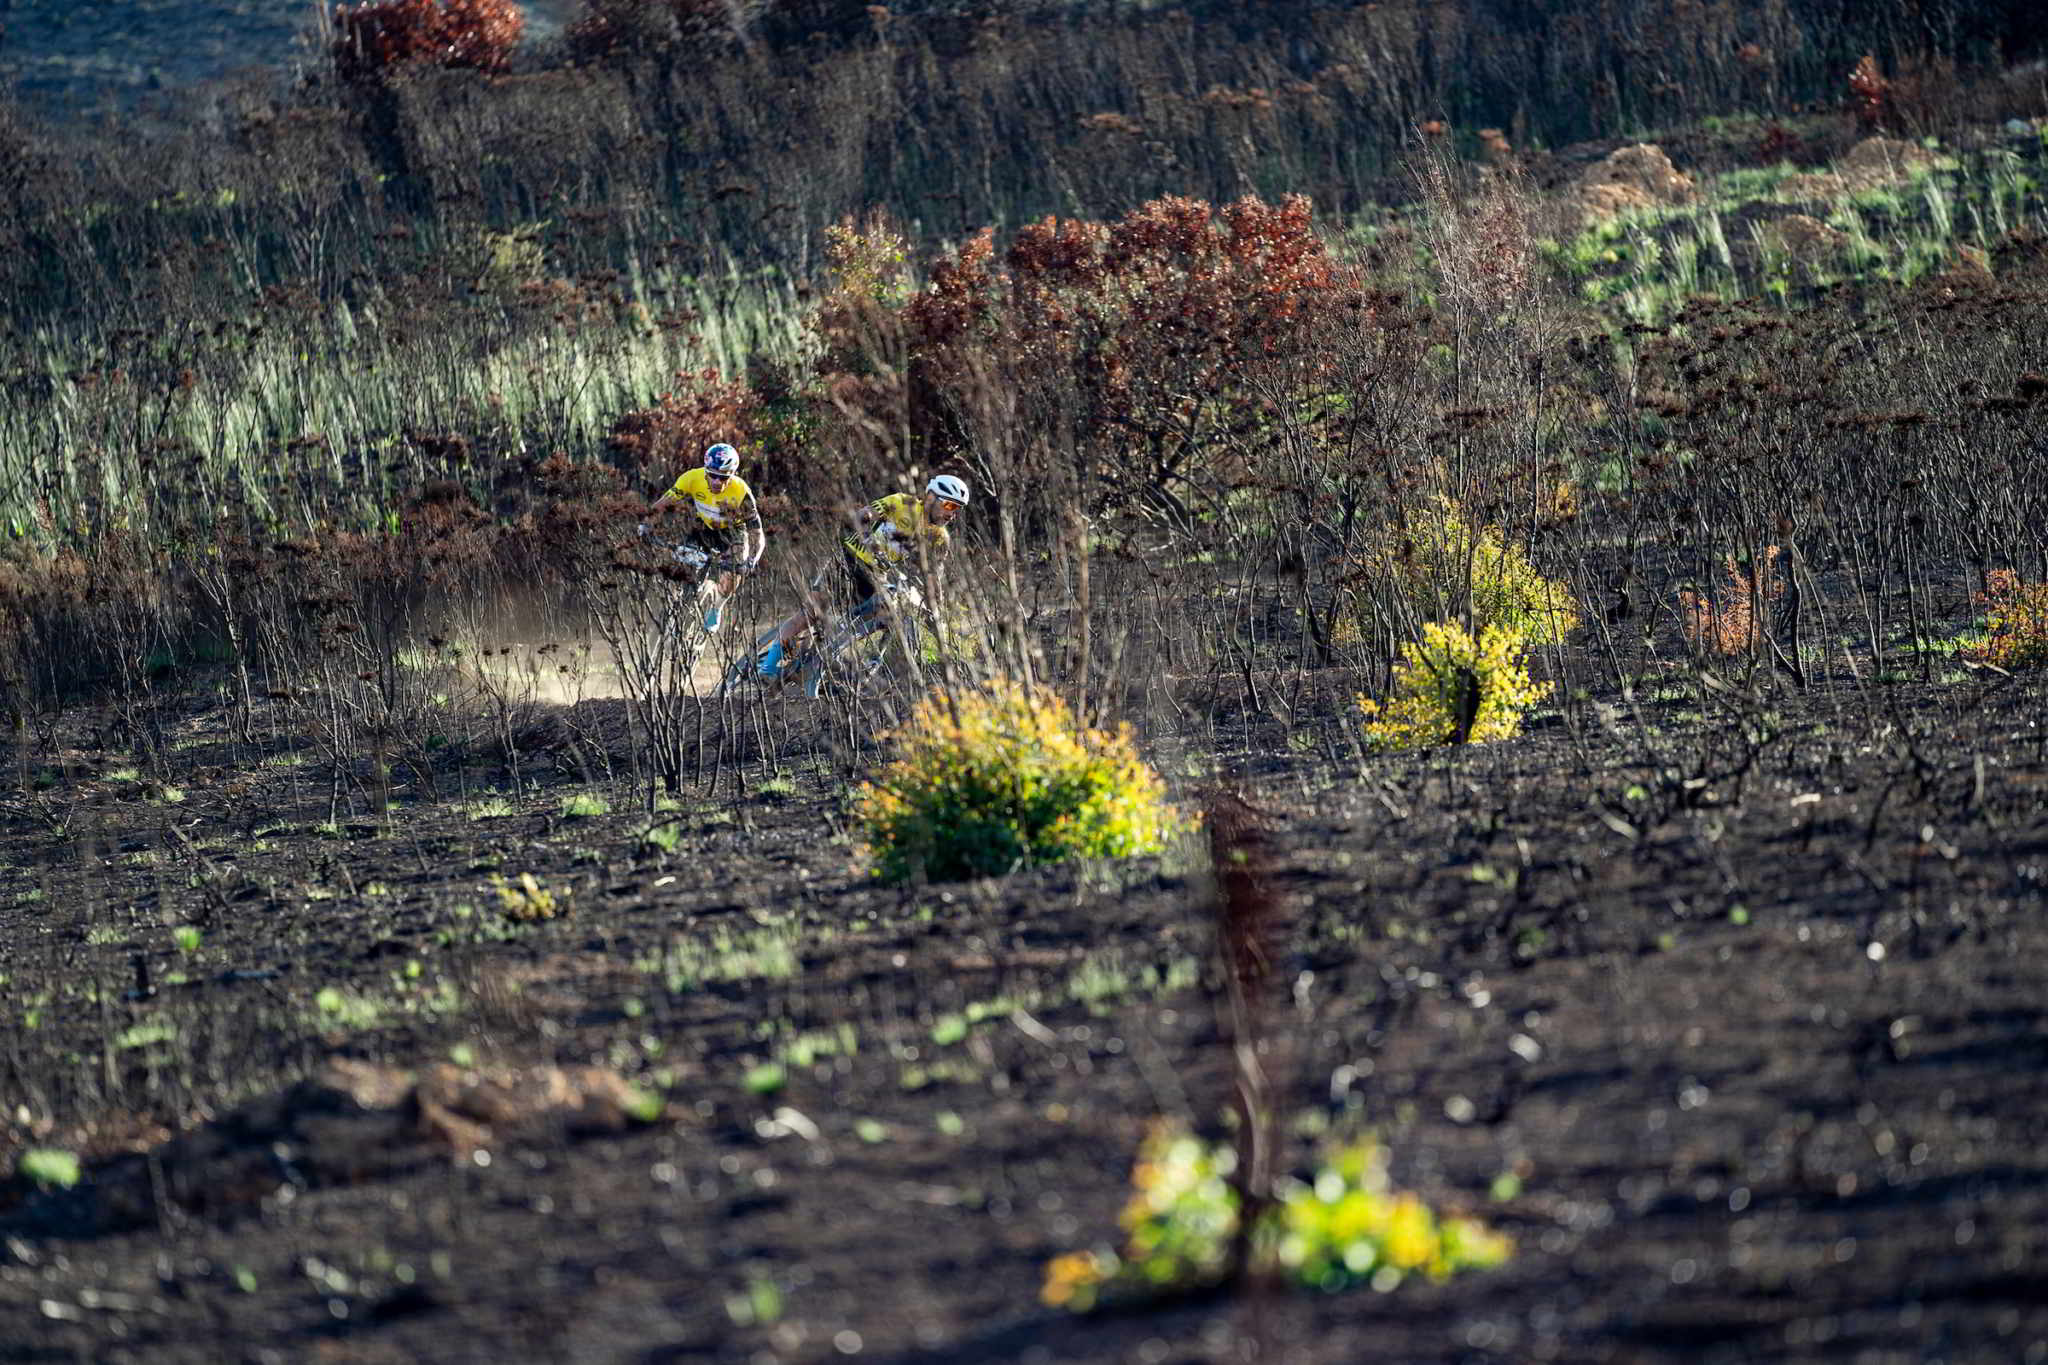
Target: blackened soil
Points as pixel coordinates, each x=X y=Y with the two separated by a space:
x=1745 y=996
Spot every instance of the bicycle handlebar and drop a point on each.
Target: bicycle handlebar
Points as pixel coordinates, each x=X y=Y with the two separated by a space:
x=898 y=588
x=690 y=556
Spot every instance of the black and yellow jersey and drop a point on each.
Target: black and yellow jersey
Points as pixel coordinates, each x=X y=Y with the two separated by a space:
x=895 y=526
x=722 y=509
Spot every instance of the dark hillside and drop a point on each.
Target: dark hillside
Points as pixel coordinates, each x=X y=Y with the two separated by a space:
x=1388 y=705
x=747 y=142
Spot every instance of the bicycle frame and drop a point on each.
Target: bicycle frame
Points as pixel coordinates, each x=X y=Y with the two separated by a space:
x=832 y=651
x=682 y=623
x=880 y=612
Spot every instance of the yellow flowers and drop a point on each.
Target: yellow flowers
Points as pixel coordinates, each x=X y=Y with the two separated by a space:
x=526 y=899
x=1073 y=1280
x=1449 y=689
x=1346 y=1226
x=986 y=781
x=1409 y=1240
x=1177 y=1224
x=1349 y=1227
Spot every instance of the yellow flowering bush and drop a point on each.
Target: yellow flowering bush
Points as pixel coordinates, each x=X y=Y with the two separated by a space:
x=1177 y=1224
x=2016 y=617
x=1447 y=680
x=1349 y=1226
x=991 y=779
x=1443 y=566
x=1346 y=1226
x=527 y=899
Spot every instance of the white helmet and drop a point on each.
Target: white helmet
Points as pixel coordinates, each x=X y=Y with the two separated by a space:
x=948 y=487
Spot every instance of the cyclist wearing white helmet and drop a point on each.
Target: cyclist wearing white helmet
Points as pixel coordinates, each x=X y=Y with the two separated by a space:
x=727 y=525
x=892 y=535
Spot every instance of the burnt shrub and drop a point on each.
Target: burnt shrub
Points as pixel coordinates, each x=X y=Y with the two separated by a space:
x=661 y=440
x=376 y=36
x=1162 y=341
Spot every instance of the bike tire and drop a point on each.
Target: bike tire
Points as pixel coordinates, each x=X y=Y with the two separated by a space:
x=745 y=671
x=868 y=664
x=827 y=660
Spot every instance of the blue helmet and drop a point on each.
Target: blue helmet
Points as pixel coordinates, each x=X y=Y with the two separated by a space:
x=721 y=459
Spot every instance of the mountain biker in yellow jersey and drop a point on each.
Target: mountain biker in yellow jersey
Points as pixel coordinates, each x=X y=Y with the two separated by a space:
x=893 y=534
x=727 y=525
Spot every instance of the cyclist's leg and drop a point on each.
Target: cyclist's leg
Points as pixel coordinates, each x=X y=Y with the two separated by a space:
x=731 y=564
x=860 y=615
x=860 y=595
x=789 y=635
x=713 y=587
x=839 y=584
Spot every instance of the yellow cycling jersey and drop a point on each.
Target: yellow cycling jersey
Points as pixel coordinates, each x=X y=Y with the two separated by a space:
x=722 y=509
x=895 y=523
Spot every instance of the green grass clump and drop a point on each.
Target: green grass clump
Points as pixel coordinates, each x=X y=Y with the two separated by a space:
x=989 y=781
x=49 y=1168
x=346 y=1010
x=1449 y=688
x=1344 y=1227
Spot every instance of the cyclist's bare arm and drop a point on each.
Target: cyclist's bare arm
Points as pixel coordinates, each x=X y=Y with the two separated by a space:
x=753 y=535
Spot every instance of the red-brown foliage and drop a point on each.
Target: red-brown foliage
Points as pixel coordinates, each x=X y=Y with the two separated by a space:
x=657 y=443
x=2016 y=613
x=1869 y=93
x=381 y=34
x=1733 y=623
x=73 y=617
x=1150 y=349
x=1163 y=319
x=623 y=28
x=1779 y=143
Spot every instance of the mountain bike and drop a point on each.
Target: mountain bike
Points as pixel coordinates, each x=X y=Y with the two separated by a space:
x=885 y=642
x=690 y=575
